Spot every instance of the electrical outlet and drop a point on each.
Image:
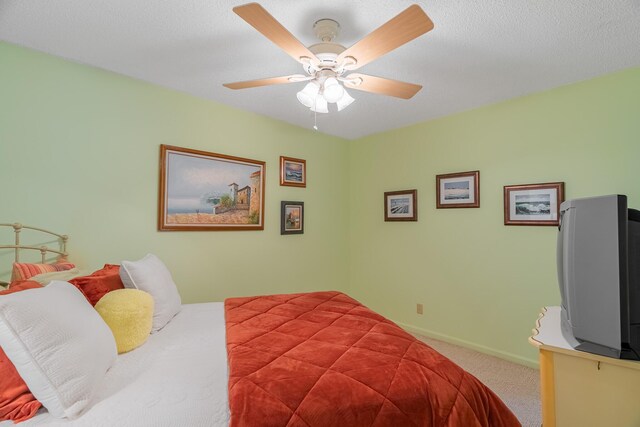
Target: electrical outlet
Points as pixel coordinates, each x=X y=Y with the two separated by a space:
x=419 y=308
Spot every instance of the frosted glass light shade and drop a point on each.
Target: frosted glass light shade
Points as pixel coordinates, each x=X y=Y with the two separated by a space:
x=320 y=105
x=308 y=95
x=345 y=101
x=333 y=90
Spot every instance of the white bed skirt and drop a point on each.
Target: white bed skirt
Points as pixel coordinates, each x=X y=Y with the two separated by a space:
x=178 y=378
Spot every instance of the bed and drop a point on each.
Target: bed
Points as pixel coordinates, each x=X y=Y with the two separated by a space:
x=177 y=378
x=313 y=359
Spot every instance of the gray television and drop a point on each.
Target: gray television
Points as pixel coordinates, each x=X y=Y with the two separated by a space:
x=599 y=276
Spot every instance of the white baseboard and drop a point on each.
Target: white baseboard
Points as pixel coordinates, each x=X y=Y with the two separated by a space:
x=477 y=347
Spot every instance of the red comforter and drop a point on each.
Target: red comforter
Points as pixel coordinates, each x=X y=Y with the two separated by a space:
x=324 y=359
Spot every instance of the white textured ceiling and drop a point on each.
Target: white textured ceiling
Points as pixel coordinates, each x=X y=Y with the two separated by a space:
x=479 y=53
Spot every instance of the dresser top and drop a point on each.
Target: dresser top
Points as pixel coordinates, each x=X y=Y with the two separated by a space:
x=547 y=335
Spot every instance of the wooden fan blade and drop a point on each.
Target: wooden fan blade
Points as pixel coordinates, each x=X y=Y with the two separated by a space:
x=406 y=26
x=261 y=20
x=266 y=82
x=381 y=85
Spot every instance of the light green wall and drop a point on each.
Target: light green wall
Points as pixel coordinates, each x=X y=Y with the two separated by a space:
x=79 y=151
x=483 y=283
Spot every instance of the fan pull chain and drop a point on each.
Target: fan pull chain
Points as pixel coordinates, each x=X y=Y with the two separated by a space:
x=315 y=113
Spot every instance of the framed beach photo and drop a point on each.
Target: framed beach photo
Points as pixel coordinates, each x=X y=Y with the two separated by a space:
x=401 y=205
x=533 y=204
x=291 y=217
x=293 y=172
x=209 y=191
x=458 y=190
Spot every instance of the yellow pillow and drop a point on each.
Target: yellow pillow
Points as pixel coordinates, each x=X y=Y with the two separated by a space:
x=129 y=315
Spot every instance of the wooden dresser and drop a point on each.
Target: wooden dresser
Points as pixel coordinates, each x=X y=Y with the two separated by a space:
x=583 y=389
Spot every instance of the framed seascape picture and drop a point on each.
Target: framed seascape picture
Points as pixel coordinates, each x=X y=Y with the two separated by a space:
x=458 y=190
x=209 y=191
x=291 y=217
x=533 y=204
x=401 y=205
x=293 y=172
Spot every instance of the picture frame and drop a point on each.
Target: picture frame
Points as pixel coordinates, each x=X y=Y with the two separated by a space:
x=458 y=190
x=401 y=205
x=293 y=172
x=533 y=204
x=203 y=191
x=291 y=217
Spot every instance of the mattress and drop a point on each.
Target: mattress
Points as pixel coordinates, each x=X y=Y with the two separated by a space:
x=178 y=378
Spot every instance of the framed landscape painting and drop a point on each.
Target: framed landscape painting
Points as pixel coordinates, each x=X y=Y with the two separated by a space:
x=458 y=190
x=293 y=172
x=401 y=205
x=291 y=217
x=208 y=191
x=533 y=204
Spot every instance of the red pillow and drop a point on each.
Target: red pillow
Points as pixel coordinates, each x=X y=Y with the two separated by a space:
x=99 y=283
x=16 y=401
x=24 y=271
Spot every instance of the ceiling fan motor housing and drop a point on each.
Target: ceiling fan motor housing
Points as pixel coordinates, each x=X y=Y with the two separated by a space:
x=327 y=50
x=327 y=53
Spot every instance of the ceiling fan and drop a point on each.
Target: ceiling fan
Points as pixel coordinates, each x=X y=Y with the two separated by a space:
x=327 y=64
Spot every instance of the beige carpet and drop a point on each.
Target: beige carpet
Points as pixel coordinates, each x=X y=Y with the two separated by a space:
x=518 y=386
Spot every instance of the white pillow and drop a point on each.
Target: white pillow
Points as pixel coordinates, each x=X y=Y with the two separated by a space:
x=59 y=344
x=65 y=276
x=151 y=275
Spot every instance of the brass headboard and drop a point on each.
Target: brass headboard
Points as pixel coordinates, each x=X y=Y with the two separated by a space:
x=44 y=250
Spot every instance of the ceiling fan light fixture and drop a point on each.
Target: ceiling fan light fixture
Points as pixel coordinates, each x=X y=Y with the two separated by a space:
x=332 y=90
x=308 y=95
x=319 y=105
x=345 y=101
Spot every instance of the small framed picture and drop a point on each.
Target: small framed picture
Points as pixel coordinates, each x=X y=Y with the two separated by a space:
x=533 y=204
x=458 y=190
x=291 y=217
x=401 y=205
x=293 y=172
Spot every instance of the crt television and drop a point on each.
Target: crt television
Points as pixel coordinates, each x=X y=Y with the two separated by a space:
x=599 y=276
